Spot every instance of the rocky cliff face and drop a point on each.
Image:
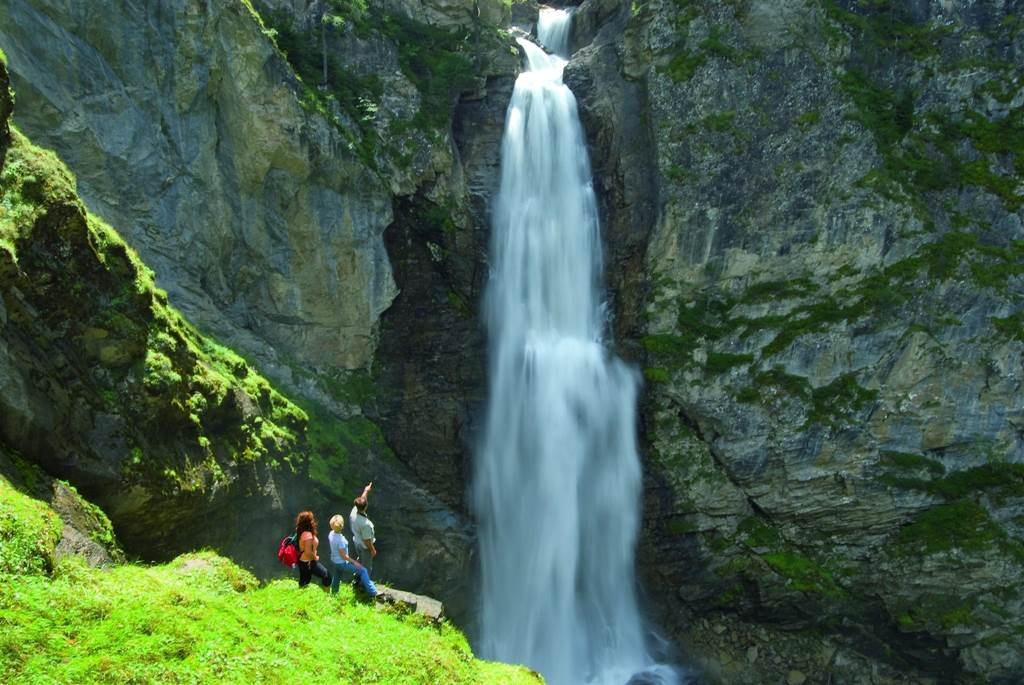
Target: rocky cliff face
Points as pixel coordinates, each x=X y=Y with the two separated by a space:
x=107 y=386
x=184 y=128
x=265 y=159
x=812 y=211
x=830 y=325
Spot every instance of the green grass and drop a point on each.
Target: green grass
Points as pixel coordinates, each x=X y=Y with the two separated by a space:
x=202 y=619
x=29 y=531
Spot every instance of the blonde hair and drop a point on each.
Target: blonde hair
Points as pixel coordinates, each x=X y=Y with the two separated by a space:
x=337 y=523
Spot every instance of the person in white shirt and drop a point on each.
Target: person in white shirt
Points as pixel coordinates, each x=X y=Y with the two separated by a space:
x=342 y=562
x=362 y=530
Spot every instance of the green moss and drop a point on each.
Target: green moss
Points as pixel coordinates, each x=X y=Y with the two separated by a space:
x=881 y=27
x=938 y=612
x=776 y=377
x=1012 y=327
x=758 y=534
x=773 y=382
x=835 y=403
x=681 y=525
x=151 y=366
x=769 y=291
x=723 y=362
x=352 y=387
x=800 y=571
x=804 y=574
x=94 y=522
x=723 y=122
x=920 y=149
x=882 y=294
x=334 y=444
x=656 y=375
x=808 y=119
x=911 y=462
x=999 y=480
x=30 y=177
x=684 y=65
x=437 y=61
x=674 y=350
x=29 y=531
x=803 y=320
x=356 y=95
x=202 y=619
x=962 y=525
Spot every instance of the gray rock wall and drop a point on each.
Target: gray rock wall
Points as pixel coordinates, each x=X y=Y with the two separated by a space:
x=184 y=127
x=261 y=201
x=830 y=299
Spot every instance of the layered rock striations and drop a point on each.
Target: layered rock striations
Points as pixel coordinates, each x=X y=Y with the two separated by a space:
x=183 y=126
x=830 y=328
x=105 y=385
x=812 y=212
x=265 y=158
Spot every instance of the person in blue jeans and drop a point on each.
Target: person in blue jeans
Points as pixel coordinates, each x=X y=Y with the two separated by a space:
x=342 y=562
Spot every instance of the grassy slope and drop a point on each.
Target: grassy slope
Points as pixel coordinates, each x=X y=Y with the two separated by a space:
x=28 y=533
x=201 y=618
x=198 y=619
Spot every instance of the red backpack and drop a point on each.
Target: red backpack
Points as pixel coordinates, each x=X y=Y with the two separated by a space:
x=288 y=551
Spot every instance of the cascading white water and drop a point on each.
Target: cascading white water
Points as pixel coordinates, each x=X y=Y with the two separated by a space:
x=557 y=485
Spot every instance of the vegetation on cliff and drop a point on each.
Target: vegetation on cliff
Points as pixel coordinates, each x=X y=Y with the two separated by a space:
x=202 y=619
x=833 y=329
x=198 y=619
x=148 y=364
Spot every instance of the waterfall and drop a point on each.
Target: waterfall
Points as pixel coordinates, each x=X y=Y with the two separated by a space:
x=557 y=485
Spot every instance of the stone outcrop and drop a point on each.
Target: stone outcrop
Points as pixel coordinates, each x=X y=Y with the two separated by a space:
x=86 y=531
x=830 y=326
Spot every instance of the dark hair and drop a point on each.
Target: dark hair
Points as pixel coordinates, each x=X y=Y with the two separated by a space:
x=305 y=521
x=360 y=503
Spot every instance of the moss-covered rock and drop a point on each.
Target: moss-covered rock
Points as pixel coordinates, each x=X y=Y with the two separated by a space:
x=106 y=385
x=29 y=531
x=831 y=290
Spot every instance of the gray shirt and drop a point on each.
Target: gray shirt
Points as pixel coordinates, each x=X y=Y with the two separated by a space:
x=362 y=528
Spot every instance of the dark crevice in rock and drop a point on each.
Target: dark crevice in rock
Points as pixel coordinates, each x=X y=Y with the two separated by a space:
x=432 y=347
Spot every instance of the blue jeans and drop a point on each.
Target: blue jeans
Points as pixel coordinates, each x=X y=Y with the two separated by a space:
x=345 y=567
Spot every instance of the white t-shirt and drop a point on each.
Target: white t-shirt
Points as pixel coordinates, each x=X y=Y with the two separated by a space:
x=362 y=528
x=338 y=545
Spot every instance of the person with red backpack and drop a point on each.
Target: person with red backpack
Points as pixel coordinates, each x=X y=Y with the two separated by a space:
x=309 y=559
